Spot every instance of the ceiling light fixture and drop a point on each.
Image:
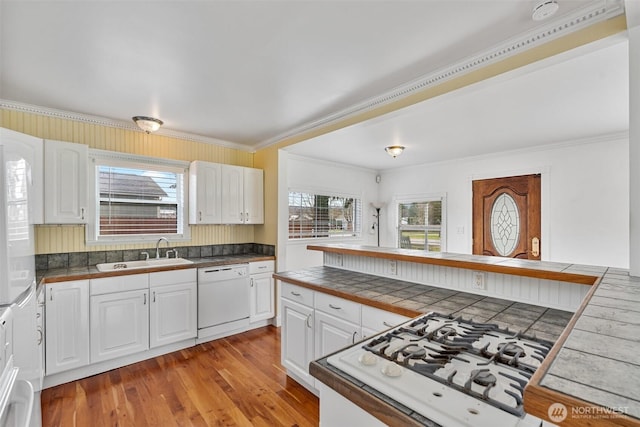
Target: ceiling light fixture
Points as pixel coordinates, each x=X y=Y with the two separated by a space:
x=544 y=9
x=394 y=150
x=148 y=124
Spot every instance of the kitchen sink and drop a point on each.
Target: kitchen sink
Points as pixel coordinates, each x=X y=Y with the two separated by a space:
x=131 y=265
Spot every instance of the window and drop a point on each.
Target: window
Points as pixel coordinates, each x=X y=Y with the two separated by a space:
x=314 y=216
x=420 y=225
x=138 y=199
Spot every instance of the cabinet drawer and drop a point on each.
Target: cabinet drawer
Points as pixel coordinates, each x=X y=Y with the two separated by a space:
x=379 y=320
x=261 y=267
x=130 y=282
x=161 y=278
x=339 y=307
x=297 y=294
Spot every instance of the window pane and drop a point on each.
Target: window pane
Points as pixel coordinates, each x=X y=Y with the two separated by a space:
x=321 y=216
x=419 y=225
x=136 y=201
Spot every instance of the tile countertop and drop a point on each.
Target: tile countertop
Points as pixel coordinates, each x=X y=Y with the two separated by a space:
x=592 y=374
x=411 y=299
x=89 y=272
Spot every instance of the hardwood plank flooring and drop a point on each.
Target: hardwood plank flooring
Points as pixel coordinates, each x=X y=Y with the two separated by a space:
x=233 y=381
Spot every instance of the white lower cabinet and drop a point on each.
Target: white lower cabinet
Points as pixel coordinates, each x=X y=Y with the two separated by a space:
x=174 y=304
x=297 y=339
x=261 y=291
x=119 y=324
x=119 y=316
x=316 y=324
x=375 y=320
x=332 y=334
x=67 y=326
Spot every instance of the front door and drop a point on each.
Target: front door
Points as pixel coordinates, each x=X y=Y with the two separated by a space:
x=506 y=217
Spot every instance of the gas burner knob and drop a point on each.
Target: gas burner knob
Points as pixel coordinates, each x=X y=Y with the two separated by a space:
x=368 y=359
x=392 y=370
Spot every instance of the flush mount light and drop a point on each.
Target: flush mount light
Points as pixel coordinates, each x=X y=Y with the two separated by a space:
x=394 y=150
x=544 y=9
x=148 y=124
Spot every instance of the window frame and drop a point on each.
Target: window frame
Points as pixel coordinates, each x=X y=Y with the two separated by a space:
x=110 y=158
x=358 y=215
x=429 y=197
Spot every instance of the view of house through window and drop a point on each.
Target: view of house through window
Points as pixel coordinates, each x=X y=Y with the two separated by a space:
x=136 y=201
x=420 y=225
x=317 y=216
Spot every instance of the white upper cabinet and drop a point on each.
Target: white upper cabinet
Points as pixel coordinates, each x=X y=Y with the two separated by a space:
x=31 y=150
x=253 y=196
x=242 y=195
x=232 y=194
x=204 y=193
x=65 y=172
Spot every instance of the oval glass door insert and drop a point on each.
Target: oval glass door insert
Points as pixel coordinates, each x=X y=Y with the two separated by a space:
x=505 y=224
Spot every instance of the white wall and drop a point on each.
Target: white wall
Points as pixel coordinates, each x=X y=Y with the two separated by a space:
x=585 y=197
x=303 y=174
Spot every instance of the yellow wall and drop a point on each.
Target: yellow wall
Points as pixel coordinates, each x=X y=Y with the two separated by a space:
x=70 y=238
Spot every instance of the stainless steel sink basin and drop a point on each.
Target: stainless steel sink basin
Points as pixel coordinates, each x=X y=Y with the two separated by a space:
x=131 y=265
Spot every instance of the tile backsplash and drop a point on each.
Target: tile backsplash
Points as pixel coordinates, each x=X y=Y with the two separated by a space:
x=84 y=259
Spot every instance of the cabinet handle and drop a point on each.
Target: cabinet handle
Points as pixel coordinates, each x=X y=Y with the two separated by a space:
x=388 y=325
x=295 y=294
x=82 y=212
x=252 y=282
x=308 y=318
x=51 y=295
x=154 y=296
x=200 y=215
x=335 y=307
x=353 y=338
x=246 y=217
x=40 y=336
x=145 y=299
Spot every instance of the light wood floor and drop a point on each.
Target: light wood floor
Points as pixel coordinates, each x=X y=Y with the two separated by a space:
x=234 y=381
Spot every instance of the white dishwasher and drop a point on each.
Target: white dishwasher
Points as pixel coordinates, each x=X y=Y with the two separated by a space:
x=223 y=300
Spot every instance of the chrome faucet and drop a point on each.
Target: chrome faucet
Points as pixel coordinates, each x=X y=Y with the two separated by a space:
x=158 y=246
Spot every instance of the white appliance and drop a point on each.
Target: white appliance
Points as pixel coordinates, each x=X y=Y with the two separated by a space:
x=16 y=395
x=223 y=300
x=453 y=372
x=18 y=159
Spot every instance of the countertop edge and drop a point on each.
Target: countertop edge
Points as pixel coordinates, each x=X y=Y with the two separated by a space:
x=375 y=406
x=84 y=273
x=424 y=258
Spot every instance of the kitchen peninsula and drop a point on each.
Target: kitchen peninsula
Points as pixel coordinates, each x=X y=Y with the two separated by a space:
x=583 y=371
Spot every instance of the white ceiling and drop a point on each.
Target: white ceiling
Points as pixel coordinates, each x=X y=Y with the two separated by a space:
x=570 y=98
x=249 y=72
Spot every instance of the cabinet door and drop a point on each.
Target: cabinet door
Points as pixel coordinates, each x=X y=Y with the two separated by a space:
x=332 y=334
x=65 y=171
x=66 y=326
x=297 y=339
x=173 y=313
x=205 y=193
x=31 y=150
x=253 y=196
x=232 y=194
x=119 y=324
x=262 y=300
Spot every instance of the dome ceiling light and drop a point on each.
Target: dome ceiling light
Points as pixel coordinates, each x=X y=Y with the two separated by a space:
x=544 y=9
x=394 y=150
x=148 y=124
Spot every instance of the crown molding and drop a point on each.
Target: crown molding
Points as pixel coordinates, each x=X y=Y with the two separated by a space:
x=594 y=12
x=119 y=124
